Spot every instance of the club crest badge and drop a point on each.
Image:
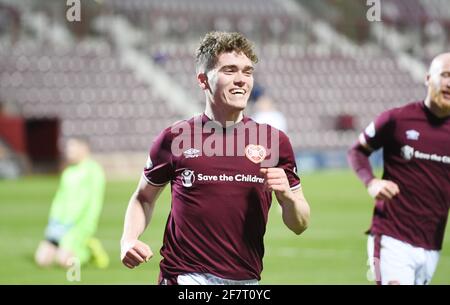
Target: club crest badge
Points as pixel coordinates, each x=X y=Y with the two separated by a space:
x=255 y=153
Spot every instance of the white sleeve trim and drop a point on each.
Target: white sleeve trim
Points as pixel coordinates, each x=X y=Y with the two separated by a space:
x=293 y=188
x=152 y=183
x=363 y=142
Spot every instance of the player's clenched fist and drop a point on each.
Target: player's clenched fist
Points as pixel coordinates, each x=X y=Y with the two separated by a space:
x=135 y=253
x=382 y=189
x=275 y=179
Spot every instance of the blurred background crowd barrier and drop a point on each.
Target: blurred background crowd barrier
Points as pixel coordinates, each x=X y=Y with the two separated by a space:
x=121 y=71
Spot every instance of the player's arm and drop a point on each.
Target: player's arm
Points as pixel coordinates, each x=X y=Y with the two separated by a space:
x=295 y=208
x=358 y=158
x=137 y=217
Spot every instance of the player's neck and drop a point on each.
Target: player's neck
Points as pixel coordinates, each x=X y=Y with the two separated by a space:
x=225 y=118
x=435 y=109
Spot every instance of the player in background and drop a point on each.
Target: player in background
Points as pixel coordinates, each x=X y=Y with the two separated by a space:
x=75 y=212
x=266 y=112
x=412 y=199
x=220 y=203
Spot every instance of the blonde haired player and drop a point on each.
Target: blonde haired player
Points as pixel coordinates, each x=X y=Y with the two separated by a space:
x=412 y=199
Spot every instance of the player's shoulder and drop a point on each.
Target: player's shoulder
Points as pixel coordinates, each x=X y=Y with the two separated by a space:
x=248 y=120
x=393 y=115
x=92 y=166
x=191 y=121
x=176 y=127
x=406 y=110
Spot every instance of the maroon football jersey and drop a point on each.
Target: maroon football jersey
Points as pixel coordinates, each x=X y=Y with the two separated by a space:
x=219 y=205
x=416 y=150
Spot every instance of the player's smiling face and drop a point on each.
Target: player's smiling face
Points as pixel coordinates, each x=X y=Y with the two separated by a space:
x=231 y=81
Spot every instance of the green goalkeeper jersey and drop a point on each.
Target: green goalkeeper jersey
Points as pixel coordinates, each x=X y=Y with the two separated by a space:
x=78 y=203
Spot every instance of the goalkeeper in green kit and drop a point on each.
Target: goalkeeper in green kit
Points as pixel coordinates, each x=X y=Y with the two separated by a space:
x=75 y=212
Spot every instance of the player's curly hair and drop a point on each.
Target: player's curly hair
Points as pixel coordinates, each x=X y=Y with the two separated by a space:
x=216 y=43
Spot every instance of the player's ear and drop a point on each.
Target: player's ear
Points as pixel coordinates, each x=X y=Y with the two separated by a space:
x=202 y=79
x=427 y=80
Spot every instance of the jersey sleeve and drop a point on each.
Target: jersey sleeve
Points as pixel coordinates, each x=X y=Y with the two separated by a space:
x=287 y=162
x=159 y=167
x=377 y=133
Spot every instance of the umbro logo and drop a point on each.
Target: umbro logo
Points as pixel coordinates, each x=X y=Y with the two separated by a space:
x=191 y=153
x=412 y=134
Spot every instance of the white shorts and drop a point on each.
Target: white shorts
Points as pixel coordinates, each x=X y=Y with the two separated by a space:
x=393 y=261
x=208 y=279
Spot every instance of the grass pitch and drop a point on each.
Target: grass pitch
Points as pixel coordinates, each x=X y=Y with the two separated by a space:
x=331 y=251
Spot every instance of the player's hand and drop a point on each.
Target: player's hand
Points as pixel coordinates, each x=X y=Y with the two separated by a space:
x=275 y=179
x=382 y=189
x=133 y=253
